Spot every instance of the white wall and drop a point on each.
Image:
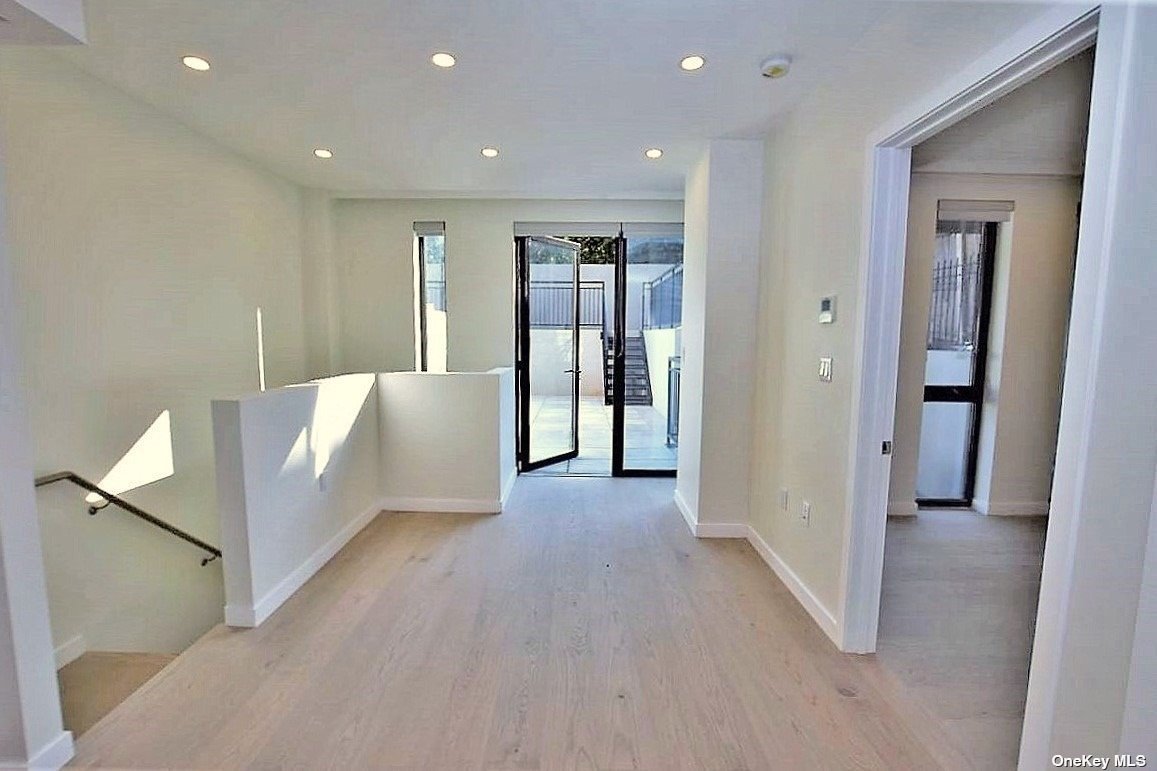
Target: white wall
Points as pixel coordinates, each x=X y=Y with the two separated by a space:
x=374 y=259
x=141 y=253
x=30 y=719
x=720 y=306
x=813 y=243
x=1039 y=128
x=1107 y=452
x=662 y=344
x=552 y=354
x=447 y=440
x=1031 y=294
x=297 y=477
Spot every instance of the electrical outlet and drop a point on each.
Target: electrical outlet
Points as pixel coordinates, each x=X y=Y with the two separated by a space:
x=783 y=498
x=805 y=513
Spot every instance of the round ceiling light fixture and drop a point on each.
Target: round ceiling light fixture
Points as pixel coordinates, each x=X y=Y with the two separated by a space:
x=775 y=67
x=692 y=62
x=489 y=152
x=654 y=153
x=443 y=60
x=197 y=63
x=323 y=152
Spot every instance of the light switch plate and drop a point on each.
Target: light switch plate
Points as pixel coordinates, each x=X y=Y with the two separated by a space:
x=826 y=369
x=805 y=513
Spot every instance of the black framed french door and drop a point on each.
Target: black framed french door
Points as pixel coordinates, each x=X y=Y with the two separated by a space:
x=645 y=353
x=956 y=362
x=547 y=353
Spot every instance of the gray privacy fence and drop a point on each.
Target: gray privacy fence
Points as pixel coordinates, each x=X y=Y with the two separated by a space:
x=552 y=304
x=663 y=300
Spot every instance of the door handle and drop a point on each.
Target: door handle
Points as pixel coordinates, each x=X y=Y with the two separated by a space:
x=572 y=371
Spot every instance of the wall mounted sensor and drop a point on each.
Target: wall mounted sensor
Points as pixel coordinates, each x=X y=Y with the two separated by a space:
x=828 y=309
x=775 y=66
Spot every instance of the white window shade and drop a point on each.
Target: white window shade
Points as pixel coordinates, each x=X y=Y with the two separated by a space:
x=600 y=229
x=429 y=228
x=975 y=211
x=653 y=229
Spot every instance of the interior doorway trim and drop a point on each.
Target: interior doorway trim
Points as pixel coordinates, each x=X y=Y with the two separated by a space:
x=1049 y=41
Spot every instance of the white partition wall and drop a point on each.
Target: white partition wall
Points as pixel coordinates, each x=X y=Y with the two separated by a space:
x=302 y=469
x=447 y=440
x=297 y=477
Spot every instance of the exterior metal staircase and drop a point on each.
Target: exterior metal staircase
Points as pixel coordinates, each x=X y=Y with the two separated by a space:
x=637 y=383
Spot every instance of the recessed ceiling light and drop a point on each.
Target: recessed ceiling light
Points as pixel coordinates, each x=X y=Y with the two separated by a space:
x=323 y=152
x=775 y=67
x=490 y=152
x=692 y=63
x=195 y=63
x=654 y=153
x=443 y=59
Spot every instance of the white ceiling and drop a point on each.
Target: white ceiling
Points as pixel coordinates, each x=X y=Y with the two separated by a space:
x=1040 y=128
x=572 y=92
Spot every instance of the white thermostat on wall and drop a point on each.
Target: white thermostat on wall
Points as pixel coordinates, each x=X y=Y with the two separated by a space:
x=828 y=309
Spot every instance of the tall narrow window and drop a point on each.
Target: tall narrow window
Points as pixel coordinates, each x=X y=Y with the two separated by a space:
x=430 y=296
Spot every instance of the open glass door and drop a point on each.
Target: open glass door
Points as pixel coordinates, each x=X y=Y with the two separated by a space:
x=647 y=349
x=548 y=351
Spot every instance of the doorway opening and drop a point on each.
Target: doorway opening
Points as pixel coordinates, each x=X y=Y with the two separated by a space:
x=598 y=343
x=989 y=270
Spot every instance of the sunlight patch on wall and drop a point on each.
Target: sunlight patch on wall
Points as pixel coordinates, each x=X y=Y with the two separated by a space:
x=149 y=460
x=260 y=351
x=339 y=402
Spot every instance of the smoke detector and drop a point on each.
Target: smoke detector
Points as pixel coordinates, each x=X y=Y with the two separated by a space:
x=775 y=67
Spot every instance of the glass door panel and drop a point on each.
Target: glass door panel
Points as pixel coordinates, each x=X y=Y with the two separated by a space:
x=548 y=351
x=647 y=345
x=955 y=363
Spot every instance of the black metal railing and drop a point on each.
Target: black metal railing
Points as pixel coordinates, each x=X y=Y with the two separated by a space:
x=663 y=300
x=674 y=372
x=955 y=304
x=137 y=511
x=552 y=304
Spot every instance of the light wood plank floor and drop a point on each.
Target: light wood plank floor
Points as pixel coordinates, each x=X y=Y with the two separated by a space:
x=957 y=621
x=583 y=628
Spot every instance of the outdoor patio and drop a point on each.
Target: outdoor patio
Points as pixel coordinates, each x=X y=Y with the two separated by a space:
x=645 y=438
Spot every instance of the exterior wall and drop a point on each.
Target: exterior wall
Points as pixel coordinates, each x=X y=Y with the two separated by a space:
x=551 y=356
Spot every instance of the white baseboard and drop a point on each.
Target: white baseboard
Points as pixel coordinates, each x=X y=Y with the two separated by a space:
x=508 y=487
x=685 y=510
x=901 y=508
x=444 y=505
x=70 y=650
x=821 y=615
x=720 y=530
x=1013 y=508
x=245 y=616
x=50 y=757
